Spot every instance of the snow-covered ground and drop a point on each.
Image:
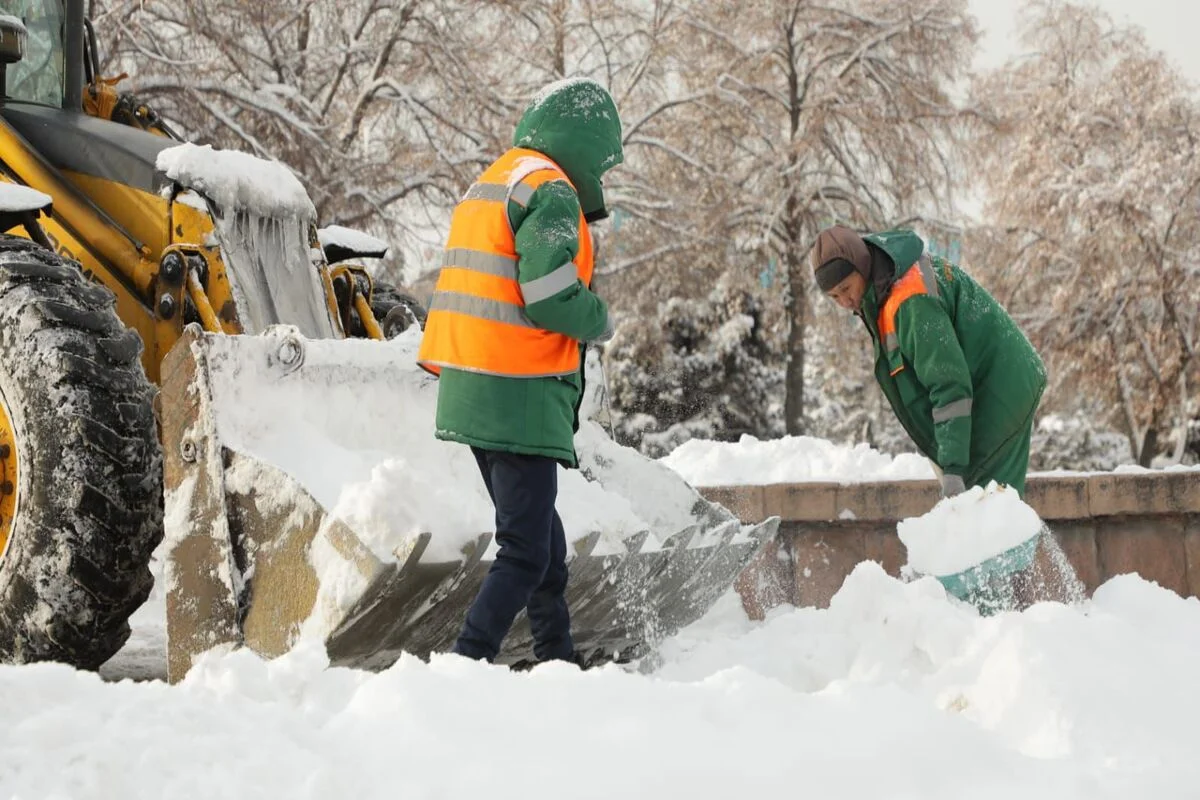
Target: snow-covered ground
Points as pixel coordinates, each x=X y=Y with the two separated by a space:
x=894 y=691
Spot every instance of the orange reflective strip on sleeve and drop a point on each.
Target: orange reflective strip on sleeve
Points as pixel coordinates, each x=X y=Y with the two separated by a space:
x=910 y=285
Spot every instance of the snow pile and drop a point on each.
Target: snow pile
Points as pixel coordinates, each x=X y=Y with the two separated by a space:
x=354 y=428
x=791 y=459
x=350 y=425
x=237 y=180
x=804 y=459
x=894 y=691
x=963 y=531
x=1038 y=684
x=1137 y=469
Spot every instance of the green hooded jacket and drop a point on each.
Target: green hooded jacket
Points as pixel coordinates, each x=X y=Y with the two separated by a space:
x=959 y=351
x=575 y=124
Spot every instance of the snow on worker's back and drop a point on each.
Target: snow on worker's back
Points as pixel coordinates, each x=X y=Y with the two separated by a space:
x=963 y=531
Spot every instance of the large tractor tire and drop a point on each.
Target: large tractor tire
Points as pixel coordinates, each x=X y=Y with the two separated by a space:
x=80 y=464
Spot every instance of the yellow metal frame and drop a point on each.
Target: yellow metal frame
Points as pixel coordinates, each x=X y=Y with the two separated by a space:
x=367 y=316
x=208 y=317
x=123 y=245
x=122 y=248
x=361 y=302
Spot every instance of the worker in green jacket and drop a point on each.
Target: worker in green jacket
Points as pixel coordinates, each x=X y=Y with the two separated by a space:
x=960 y=375
x=506 y=326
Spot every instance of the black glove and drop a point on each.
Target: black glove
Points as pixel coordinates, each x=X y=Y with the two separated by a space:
x=952 y=485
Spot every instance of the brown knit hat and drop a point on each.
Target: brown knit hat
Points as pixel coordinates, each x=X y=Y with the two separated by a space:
x=834 y=244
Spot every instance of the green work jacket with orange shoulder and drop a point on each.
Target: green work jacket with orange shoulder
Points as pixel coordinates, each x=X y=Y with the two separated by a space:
x=504 y=328
x=959 y=374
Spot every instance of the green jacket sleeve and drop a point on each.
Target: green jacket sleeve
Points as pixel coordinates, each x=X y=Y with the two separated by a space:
x=547 y=241
x=928 y=341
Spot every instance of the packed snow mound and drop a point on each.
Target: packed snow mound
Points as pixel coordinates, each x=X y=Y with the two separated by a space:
x=792 y=459
x=964 y=531
x=1040 y=683
x=893 y=691
x=344 y=431
x=237 y=180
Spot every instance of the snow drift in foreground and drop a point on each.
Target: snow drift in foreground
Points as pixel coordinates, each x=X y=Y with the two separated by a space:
x=894 y=691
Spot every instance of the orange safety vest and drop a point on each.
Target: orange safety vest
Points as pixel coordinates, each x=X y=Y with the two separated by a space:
x=917 y=279
x=476 y=319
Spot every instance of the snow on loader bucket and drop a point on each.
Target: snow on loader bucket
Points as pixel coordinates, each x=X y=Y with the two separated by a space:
x=307 y=497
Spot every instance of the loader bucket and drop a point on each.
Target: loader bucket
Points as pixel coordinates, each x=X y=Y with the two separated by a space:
x=306 y=497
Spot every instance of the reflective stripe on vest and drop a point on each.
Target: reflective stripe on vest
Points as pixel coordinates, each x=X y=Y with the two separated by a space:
x=918 y=279
x=476 y=319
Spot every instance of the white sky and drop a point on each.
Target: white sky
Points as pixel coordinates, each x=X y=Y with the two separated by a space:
x=1170 y=26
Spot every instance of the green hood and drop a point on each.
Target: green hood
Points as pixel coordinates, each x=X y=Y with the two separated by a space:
x=904 y=246
x=575 y=123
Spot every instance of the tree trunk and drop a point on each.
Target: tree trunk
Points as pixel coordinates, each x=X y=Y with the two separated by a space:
x=558 y=16
x=1149 y=447
x=793 y=407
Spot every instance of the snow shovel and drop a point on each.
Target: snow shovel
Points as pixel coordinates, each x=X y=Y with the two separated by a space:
x=989 y=585
x=975 y=544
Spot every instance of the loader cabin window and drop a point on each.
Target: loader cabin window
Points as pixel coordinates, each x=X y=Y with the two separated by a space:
x=38 y=77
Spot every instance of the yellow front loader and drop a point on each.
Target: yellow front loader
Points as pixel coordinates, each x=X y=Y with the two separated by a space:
x=145 y=284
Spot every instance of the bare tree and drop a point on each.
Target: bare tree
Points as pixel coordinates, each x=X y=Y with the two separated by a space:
x=336 y=90
x=1091 y=163
x=387 y=108
x=827 y=112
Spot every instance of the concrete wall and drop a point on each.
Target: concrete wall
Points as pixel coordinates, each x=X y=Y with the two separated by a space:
x=1108 y=524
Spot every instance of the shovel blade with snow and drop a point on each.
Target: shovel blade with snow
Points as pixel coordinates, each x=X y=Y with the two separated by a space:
x=989 y=585
x=275 y=444
x=979 y=545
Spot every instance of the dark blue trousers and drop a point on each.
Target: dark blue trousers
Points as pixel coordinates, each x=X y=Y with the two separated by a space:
x=530 y=570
